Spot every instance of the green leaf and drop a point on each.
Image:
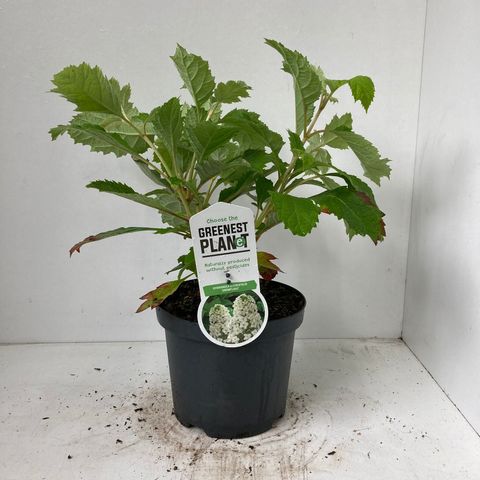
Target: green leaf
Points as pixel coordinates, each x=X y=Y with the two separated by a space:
x=243 y=184
x=307 y=83
x=89 y=129
x=361 y=86
x=267 y=269
x=196 y=75
x=207 y=137
x=155 y=297
x=158 y=201
x=334 y=85
x=185 y=263
x=115 y=232
x=101 y=141
x=167 y=121
x=374 y=167
x=340 y=123
x=263 y=187
x=251 y=133
x=362 y=89
x=222 y=161
x=354 y=183
x=360 y=214
x=296 y=144
x=91 y=91
x=172 y=208
x=299 y=215
x=337 y=123
x=231 y=92
x=57 y=131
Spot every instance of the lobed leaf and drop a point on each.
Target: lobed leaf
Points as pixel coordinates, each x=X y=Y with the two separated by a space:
x=90 y=129
x=155 y=297
x=206 y=137
x=196 y=75
x=361 y=86
x=362 y=89
x=299 y=215
x=185 y=263
x=296 y=144
x=91 y=91
x=251 y=133
x=374 y=167
x=167 y=121
x=307 y=83
x=231 y=92
x=360 y=214
x=159 y=201
x=267 y=269
x=263 y=187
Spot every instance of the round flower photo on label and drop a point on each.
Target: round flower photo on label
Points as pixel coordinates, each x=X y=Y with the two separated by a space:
x=235 y=319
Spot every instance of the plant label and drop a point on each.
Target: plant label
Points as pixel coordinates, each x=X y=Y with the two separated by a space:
x=232 y=311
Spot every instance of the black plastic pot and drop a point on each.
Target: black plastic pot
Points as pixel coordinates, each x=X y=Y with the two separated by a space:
x=229 y=392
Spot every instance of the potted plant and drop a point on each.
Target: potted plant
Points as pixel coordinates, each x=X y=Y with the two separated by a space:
x=195 y=154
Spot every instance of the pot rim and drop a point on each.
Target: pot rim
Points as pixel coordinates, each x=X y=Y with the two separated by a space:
x=191 y=330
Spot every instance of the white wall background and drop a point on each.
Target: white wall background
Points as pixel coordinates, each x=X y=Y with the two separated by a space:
x=353 y=289
x=442 y=307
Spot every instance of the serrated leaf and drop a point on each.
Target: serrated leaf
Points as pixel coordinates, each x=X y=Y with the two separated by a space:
x=91 y=91
x=167 y=121
x=170 y=202
x=296 y=144
x=221 y=162
x=86 y=129
x=263 y=187
x=196 y=75
x=307 y=84
x=251 y=133
x=267 y=269
x=322 y=157
x=161 y=201
x=362 y=89
x=101 y=141
x=337 y=123
x=114 y=233
x=206 y=137
x=334 y=85
x=329 y=183
x=57 y=131
x=185 y=263
x=299 y=215
x=241 y=185
x=155 y=297
x=354 y=183
x=231 y=92
x=360 y=214
x=258 y=159
x=374 y=167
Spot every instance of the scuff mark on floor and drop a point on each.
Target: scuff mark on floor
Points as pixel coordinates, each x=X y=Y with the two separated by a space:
x=283 y=453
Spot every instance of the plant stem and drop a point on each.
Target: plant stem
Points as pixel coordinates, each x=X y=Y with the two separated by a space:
x=147 y=140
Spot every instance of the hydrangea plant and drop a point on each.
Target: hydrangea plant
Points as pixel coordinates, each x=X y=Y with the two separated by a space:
x=194 y=154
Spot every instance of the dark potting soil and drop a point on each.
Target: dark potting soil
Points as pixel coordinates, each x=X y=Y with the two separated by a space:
x=282 y=300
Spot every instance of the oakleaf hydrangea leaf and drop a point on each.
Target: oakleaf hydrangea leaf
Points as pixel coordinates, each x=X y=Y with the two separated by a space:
x=196 y=75
x=307 y=83
x=231 y=92
x=91 y=91
x=299 y=215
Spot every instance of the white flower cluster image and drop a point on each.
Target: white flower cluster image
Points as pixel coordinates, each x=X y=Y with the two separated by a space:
x=239 y=327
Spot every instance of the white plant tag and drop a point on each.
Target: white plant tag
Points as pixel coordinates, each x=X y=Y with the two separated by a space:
x=232 y=311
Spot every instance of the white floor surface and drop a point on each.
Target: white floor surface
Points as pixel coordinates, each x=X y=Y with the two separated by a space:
x=357 y=409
